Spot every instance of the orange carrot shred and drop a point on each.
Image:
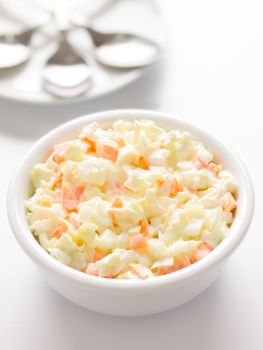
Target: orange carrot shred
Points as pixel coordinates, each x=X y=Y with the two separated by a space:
x=98 y=255
x=107 y=151
x=137 y=241
x=70 y=198
x=175 y=188
x=144 y=228
x=142 y=163
x=201 y=251
x=91 y=144
x=117 y=203
x=59 y=231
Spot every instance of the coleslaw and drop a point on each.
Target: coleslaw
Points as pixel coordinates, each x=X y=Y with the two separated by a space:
x=131 y=202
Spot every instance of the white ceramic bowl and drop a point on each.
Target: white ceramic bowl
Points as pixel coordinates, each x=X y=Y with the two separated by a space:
x=121 y=297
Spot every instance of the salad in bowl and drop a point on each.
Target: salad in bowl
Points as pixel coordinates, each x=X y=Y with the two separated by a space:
x=131 y=201
x=130 y=212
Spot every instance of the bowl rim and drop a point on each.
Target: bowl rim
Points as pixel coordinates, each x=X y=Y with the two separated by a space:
x=32 y=248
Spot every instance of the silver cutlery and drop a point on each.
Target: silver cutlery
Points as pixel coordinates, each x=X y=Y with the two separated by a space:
x=15 y=49
x=66 y=74
x=120 y=49
x=123 y=50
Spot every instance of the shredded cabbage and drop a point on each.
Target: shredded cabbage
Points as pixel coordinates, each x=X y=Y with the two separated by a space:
x=134 y=201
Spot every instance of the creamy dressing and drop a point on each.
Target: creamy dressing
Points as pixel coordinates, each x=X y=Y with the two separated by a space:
x=134 y=201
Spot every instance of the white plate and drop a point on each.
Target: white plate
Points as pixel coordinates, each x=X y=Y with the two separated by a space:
x=24 y=83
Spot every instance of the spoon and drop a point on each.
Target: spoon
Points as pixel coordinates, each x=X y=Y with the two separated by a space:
x=121 y=50
x=66 y=74
x=15 y=48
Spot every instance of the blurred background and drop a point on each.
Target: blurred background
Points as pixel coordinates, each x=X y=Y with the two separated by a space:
x=198 y=60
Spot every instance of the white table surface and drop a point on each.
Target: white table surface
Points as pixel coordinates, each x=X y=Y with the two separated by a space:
x=212 y=74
